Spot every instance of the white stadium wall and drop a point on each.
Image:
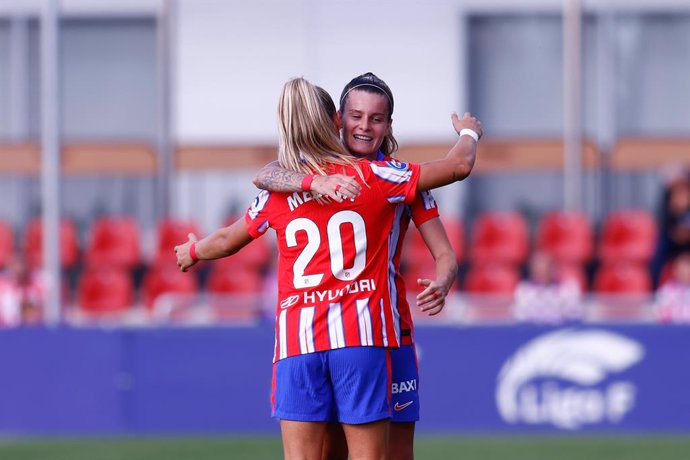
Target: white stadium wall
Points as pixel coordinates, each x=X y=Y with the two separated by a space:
x=233 y=58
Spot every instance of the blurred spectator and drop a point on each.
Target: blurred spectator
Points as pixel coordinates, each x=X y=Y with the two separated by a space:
x=677 y=222
x=546 y=296
x=674 y=237
x=22 y=295
x=673 y=297
x=10 y=311
x=31 y=286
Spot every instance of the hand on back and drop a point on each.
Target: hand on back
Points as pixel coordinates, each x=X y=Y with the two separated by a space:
x=337 y=187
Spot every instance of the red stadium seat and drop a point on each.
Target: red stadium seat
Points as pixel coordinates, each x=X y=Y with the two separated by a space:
x=6 y=243
x=623 y=291
x=226 y=278
x=566 y=236
x=172 y=232
x=490 y=292
x=114 y=241
x=415 y=250
x=628 y=236
x=69 y=243
x=500 y=237
x=105 y=290
x=234 y=291
x=417 y=261
x=492 y=279
x=623 y=278
x=167 y=279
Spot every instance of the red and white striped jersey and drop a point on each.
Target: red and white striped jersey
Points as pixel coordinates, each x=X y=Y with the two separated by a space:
x=421 y=210
x=334 y=285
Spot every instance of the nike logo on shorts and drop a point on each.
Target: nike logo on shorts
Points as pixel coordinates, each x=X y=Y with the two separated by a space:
x=399 y=407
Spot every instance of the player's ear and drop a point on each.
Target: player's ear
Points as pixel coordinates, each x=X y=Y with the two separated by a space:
x=338 y=121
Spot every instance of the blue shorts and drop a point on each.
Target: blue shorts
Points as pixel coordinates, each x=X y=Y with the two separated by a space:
x=404 y=393
x=349 y=385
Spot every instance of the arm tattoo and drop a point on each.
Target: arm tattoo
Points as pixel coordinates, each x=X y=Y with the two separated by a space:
x=276 y=179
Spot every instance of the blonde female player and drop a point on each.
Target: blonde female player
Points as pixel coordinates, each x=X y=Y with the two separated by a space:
x=334 y=321
x=366 y=109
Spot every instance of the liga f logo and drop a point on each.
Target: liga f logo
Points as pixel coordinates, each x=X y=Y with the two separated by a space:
x=560 y=378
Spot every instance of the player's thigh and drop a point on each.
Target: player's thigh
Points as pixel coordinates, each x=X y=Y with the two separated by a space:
x=368 y=441
x=302 y=389
x=401 y=441
x=361 y=383
x=404 y=389
x=302 y=440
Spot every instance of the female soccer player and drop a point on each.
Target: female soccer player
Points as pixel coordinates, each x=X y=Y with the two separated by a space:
x=334 y=319
x=366 y=109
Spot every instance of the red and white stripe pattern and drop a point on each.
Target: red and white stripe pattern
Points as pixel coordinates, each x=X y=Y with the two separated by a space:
x=366 y=333
x=310 y=329
x=422 y=209
x=344 y=250
x=306 y=330
x=336 y=334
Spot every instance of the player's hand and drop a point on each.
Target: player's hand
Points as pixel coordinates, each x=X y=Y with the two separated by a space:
x=467 y=121
x=337 y=187
x=184 y=260
x=433 y=298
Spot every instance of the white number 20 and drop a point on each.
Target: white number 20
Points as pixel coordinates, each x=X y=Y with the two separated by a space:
x=335 y=247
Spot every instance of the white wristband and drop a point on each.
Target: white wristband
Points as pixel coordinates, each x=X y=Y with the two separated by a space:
x=469 y=132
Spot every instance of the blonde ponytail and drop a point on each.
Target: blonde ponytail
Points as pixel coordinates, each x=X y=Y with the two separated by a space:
x=308 y=142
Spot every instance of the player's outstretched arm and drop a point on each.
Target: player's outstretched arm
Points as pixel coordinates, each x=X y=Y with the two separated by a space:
x=458 y=162
x=221 y=243
x=274 y=178
x=433 y=298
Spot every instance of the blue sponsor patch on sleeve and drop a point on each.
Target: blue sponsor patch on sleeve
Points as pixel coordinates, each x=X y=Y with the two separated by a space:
x=393 y=163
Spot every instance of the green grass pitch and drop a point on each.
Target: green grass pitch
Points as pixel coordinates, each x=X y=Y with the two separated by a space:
x=427 y=448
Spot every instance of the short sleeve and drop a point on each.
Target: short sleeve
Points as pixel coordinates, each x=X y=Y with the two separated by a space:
x=397 y=180
x=424 y=208
x=256 y=216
